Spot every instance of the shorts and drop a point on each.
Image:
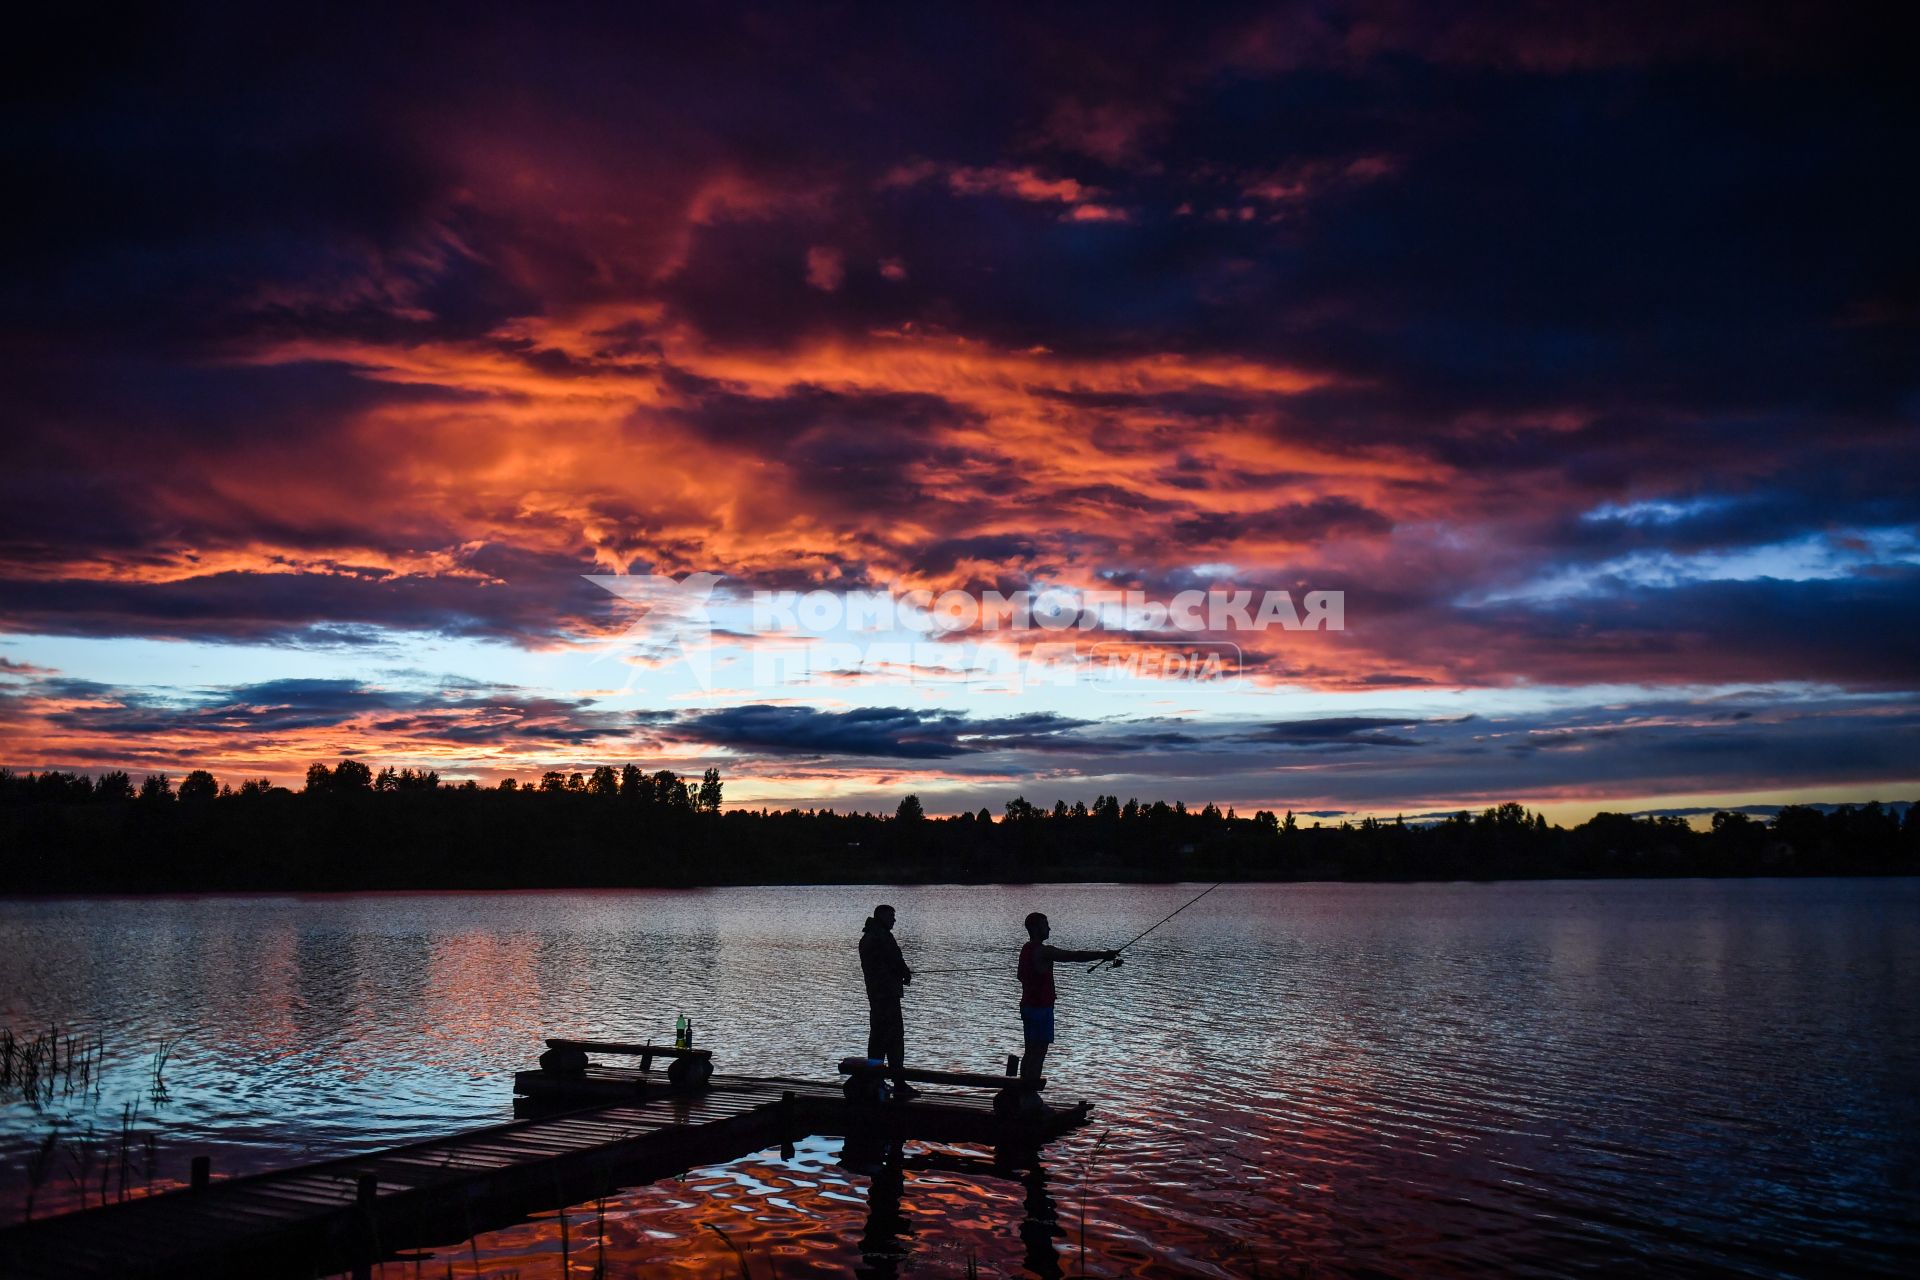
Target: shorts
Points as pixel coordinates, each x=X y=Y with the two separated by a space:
x=1037 y=1022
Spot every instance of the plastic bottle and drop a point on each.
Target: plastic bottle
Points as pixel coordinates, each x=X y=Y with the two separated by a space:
x=681 y=1029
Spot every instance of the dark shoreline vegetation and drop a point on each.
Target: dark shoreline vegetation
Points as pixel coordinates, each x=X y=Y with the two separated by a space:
x=351 y=828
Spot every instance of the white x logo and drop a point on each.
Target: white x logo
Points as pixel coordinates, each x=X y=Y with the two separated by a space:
x=674 y=617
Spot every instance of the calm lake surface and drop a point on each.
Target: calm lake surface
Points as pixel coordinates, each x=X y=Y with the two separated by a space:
x=1565 y=1078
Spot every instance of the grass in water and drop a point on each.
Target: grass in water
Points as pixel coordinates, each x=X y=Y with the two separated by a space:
x=158 y=1087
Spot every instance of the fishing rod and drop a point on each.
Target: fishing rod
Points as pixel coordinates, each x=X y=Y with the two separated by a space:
x=1116 y=962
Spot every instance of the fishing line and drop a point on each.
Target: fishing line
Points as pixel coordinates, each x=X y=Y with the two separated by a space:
x=1150 y=928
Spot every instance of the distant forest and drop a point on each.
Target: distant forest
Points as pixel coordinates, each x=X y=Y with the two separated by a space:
x=351 y=828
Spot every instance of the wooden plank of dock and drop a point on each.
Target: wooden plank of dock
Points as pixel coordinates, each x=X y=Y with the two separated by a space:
x=307 y=1220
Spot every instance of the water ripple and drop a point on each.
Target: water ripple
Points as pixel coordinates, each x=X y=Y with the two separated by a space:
x=1421 y=1080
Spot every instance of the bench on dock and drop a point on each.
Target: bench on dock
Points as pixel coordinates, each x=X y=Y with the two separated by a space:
x=1013 y=1095
x=691 y=1068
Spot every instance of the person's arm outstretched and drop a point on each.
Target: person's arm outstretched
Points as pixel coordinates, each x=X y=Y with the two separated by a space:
x=1061 y=953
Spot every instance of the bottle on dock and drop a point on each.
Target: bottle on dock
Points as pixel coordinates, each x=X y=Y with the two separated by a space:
x=689 y=1043
x=680 y=1032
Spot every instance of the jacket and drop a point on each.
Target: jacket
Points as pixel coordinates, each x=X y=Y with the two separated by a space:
x=881 y=963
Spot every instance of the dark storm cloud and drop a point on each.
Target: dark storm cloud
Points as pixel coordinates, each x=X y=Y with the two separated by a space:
x=122 y=458
x=1335 y=732
x=288 y=711
x=276 y=706
x=537 y=596
x=777 y=422
x=1845 y=630
x=1289 y=522
x=942 y=556
x=1533 y=228
x=1536 y=204
x=894 y=732
x=1806 y=492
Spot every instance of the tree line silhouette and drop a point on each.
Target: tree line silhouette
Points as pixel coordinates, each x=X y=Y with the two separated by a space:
x=351 y=827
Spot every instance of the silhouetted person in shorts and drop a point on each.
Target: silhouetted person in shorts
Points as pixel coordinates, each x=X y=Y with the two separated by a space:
x=887 y=975
x=1036 y=991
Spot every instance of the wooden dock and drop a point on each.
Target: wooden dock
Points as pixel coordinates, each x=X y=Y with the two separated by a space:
x=333 y=1216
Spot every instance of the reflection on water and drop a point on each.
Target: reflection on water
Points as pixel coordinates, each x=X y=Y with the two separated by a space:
x=1545 y=1079
x=888 y=1212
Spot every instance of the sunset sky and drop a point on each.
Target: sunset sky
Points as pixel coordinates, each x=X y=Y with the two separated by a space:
x=1579 y=347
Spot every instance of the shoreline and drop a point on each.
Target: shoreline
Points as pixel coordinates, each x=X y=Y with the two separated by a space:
x=391 y=891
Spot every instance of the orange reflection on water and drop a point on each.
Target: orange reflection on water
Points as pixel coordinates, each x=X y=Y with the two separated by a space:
x=912 y=1209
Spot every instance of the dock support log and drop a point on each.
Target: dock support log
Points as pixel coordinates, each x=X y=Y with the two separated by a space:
x=366 y=1192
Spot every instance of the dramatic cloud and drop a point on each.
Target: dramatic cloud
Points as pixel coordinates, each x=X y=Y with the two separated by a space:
x=1577 y=349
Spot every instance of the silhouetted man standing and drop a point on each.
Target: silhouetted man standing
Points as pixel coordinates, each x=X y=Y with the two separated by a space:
x=887 y=975
x=1037 y=993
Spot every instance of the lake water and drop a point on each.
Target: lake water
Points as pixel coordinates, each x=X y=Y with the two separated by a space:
x=1565 y=1078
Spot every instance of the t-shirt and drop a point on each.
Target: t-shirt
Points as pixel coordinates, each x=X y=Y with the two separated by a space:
x=1036 y=978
